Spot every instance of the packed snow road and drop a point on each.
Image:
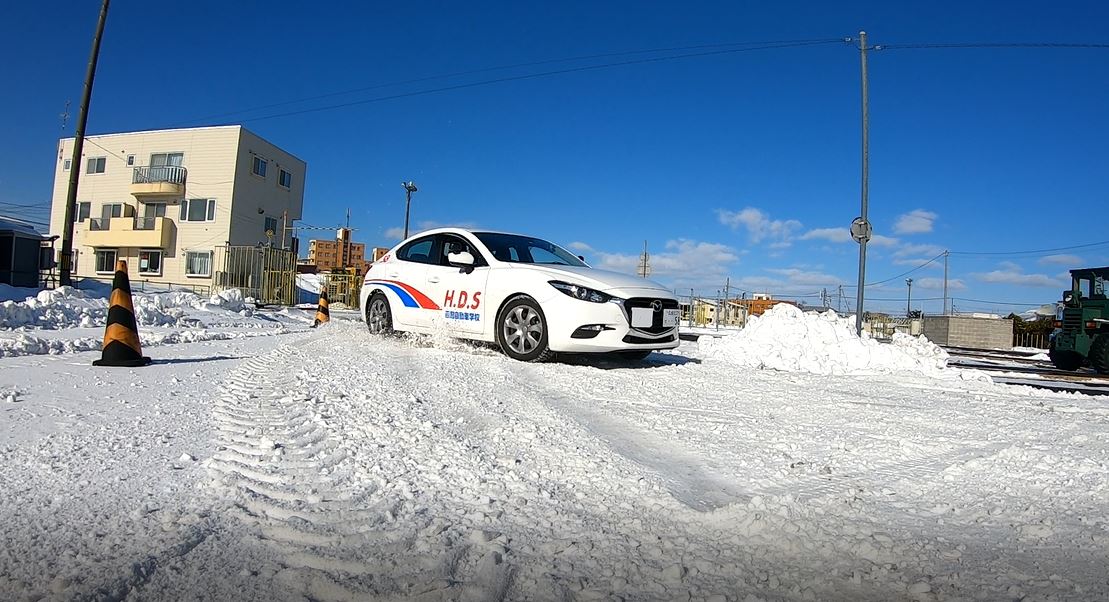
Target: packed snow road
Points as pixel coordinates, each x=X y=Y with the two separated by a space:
x=332 y=465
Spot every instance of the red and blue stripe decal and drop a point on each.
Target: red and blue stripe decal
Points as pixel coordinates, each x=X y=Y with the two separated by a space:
x=409 y=296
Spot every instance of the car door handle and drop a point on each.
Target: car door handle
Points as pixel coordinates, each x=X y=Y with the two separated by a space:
x=394 y=274
x=433 y=279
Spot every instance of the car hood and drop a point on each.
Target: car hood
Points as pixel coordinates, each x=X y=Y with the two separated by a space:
x=602 y=280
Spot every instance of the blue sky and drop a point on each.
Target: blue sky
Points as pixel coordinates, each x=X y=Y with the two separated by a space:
x=740 y=165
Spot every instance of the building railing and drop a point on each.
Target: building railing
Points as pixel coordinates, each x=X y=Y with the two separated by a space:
x=172 y=174
x=99 y=223
x=145 y=223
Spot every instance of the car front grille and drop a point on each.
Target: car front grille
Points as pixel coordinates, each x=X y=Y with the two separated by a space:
x=656 y=322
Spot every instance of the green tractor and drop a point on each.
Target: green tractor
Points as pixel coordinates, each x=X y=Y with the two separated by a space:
x=1084 y=333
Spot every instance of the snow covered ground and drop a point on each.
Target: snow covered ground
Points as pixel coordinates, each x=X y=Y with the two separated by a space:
x=787 y=461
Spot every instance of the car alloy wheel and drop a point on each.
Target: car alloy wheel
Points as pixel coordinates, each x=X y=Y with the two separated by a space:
x=378 y=317
x=522 y=331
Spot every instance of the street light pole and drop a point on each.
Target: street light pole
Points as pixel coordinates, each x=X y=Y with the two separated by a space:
x=409 y=188
x=909 y=299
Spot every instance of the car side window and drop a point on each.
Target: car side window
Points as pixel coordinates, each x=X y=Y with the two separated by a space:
x=455 y=244
x=418 y=251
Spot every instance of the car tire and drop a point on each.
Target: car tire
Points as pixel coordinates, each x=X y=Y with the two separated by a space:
x=522 y=331
x=1099 y=353
x=379 y=318
x=1065 y=360
x=633 y=356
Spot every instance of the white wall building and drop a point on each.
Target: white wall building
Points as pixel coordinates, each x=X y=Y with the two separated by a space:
x=164 y=200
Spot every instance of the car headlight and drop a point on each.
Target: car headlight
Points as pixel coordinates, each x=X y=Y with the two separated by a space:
x=580 y=292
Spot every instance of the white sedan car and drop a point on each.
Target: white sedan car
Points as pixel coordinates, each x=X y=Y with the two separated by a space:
x=531 y=297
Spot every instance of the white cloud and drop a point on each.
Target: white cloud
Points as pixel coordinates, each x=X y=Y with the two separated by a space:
x=758 y=224
x=1068 y=260
x=580 y=247
x=801 y=277
x=683 y=263
x=843 y=235
x=884 y=241
x=920 y=249
x=1011 y=273
x=397 y=233
x=953 y=284
x=828 y=234
x=917 y=221
x=917 y=261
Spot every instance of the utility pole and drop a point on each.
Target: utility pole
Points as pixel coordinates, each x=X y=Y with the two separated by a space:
x=860 y=228
x=946 y=253
x=644 y=262
x=64 y=276
x=727 y=295
x=909 y=299
x=409 y=188
x=691 y=308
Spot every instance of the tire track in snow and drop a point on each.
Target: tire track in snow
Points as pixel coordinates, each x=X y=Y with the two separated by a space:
x=341 y=532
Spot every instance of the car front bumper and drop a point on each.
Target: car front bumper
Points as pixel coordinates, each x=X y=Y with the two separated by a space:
x=566 y=315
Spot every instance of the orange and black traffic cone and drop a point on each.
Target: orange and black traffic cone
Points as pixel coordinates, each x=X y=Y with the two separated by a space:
x=121 y=336
x=322 y=313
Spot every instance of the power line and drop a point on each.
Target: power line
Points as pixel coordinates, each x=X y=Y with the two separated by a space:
x=997 y=302
x=768 y=46
x=486 y=70
x=1037 y=251
x=988 y=45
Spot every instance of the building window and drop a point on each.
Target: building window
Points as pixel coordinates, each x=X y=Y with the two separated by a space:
x=167 y=159
x=198 y=263
x=105 y=261
x=285 y=179
x=258 y=167
x=198 y=210
x=110 y=210
x=83 y=212
x=154 y=210
x=150 y=262
x=66 y=164
x=271 y=226
x=130 y=160
x=96 y=165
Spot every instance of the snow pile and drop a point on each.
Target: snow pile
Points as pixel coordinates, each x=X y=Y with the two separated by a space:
x=788 y=339
x=67 y=307
x=230 y=300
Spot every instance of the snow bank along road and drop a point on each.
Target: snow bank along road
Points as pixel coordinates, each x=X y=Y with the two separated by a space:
x=334 y=466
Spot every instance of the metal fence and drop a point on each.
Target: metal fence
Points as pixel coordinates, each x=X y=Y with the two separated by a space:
x=1035 y=340
x=884 y=327
x=342 y=288
x=264 y=273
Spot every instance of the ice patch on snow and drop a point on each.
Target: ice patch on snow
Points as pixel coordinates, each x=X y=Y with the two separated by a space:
x=788 y=339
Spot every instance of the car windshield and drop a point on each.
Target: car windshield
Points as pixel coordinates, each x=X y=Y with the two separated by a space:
x=525 y=249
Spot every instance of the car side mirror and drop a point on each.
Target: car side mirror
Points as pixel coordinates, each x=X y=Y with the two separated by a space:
x=462 y=259
x=582 y=258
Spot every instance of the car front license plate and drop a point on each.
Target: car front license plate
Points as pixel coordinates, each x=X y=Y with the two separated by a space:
x=670 y=317
x=642 y=317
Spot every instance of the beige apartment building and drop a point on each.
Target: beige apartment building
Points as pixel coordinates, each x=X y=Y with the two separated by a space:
x=169 y=201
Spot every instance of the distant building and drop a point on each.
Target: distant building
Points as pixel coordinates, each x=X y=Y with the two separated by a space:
x=165 y=200
x=328 y=255
x=20 y=253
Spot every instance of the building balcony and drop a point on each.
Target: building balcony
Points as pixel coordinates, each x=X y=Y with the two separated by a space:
x=145 y=232
x=158 y=181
